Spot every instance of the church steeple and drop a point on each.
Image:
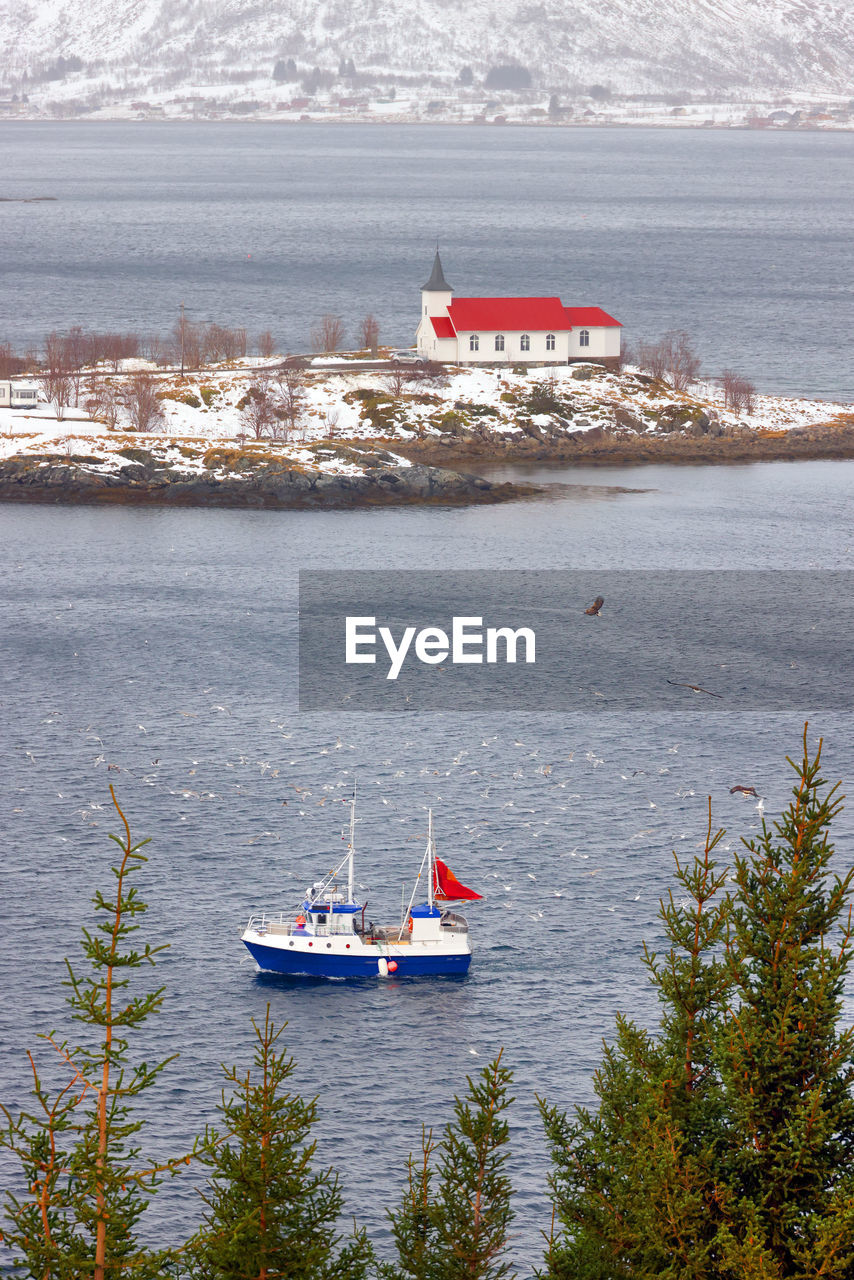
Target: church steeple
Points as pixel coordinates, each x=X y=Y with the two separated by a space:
x=437 y=282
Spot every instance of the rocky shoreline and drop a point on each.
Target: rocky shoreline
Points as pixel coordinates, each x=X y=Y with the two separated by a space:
x=239 y=478
x=602 y=447
x=420 y=472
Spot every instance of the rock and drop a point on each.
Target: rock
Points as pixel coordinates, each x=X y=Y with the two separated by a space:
x=675 y=417
x=623 y=418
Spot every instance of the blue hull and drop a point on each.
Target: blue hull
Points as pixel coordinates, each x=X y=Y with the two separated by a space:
x=296 y=965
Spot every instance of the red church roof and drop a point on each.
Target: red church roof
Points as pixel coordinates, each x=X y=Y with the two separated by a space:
x=535 y=314
x=442 y=327
x=589 y=317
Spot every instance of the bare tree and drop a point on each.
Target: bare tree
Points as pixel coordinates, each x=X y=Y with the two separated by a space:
x=682 y=360
x=142 y=403
x=54 y=377
x=220 y=343
x=187 y=343
x=328 y=334
x=116 y=347
x=266 y=344
x=10 y=364
x=257 y=410
x=369 y=334
x=672 y=358
x=75 y=354
x=58 y=389
x=748 y=391
x=739 y=393
x=651 y=357
x=102 y=400
x=157 y=350
x=289 y=395
x=397 y=378
x=626 y=356
x=728 y=380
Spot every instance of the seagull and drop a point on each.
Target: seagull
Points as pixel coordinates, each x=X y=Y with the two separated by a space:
x=745 y=791
x=593 y=611
x=697 y=688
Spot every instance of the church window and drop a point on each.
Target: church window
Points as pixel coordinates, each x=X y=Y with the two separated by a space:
x=499 y=342
x=550 y=342
x=525 y=342
x=474 y=342
x=584 y=338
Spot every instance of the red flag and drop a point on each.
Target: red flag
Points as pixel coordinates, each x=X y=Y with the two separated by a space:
x=448 y=886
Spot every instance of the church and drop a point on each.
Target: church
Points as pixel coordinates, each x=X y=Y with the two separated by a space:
x=493 y=331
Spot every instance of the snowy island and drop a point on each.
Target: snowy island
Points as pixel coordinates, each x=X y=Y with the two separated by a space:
x=348 y=432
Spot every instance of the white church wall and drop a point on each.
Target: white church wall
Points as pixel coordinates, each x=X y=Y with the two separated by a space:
x=604 y=342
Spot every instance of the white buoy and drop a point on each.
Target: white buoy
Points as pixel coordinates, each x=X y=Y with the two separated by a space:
x=382 y=965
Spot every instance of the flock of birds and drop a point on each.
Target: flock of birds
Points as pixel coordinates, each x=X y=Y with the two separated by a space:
x=530 y=805
x=594 y=612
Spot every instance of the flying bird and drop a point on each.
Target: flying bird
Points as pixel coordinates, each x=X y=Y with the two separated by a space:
x=745 y=791
x=697 y=688
x=593 y=611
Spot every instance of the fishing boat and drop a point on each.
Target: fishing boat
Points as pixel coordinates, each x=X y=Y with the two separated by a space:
x=327 y=936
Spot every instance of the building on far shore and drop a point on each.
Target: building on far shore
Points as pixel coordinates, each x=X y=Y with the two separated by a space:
x=510 y=330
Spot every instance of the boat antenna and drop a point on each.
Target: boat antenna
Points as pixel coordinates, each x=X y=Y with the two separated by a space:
x=431 y=853
x=350 y=867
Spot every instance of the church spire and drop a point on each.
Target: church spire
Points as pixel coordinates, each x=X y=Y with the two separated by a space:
x=437 y=282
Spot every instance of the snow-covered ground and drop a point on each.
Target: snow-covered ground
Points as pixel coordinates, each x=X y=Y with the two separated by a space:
x=372 y=405
x=402 y=52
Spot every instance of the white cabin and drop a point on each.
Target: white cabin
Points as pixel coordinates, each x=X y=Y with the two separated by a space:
x=18 y=395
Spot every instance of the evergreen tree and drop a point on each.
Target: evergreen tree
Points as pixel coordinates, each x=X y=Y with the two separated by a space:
x=270 y=1213
x=413 y=1225
x=86 y=1186
x=461 y=1231
x=631 y=1185
x=721 y=1148
x=787 y=1065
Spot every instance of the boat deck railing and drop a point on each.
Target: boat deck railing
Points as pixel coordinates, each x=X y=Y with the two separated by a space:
x=286 y=926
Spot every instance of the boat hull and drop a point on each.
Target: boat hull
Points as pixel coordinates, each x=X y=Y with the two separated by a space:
x=316 y=964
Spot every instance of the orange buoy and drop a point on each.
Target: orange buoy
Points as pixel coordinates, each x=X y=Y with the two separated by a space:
x=392 y=966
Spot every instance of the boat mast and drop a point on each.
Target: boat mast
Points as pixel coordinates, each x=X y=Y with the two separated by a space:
x=350 y=868
x=430 y=852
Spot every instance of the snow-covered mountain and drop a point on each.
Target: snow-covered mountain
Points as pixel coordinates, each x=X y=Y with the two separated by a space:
x=741 y=47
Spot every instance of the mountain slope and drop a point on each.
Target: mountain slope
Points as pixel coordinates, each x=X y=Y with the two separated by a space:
x=630 y=46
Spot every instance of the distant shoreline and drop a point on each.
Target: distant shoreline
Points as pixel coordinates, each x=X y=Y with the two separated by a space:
x=324 y=118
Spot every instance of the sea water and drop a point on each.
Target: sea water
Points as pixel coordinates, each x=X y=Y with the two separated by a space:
x=744 y=239
x=163 y=643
